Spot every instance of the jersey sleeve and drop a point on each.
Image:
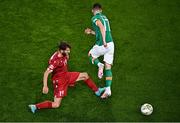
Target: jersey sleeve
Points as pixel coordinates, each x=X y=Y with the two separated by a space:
x=94 y=19
x=52 y=65
x=53 y=62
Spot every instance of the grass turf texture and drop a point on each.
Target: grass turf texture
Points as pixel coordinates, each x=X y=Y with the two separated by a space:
x=146 y=66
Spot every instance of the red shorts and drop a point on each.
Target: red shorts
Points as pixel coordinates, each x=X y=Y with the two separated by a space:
x=61 y=83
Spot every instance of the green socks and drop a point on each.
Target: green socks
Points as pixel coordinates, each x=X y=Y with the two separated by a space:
x=96 y=61
x=108 y=74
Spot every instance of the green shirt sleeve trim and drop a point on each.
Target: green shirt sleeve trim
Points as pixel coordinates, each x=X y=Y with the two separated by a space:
x=94 y=20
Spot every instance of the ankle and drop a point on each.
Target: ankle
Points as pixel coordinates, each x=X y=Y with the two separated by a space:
x=108 y=88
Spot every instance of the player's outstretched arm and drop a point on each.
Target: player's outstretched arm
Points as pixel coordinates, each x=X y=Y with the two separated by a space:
x=103 y=31
x=89 y=31
x=45 y=80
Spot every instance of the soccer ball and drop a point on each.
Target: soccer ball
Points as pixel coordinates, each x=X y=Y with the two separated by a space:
x=146 y=109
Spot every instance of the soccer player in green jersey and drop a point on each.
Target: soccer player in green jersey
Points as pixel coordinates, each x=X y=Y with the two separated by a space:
x=104 y=46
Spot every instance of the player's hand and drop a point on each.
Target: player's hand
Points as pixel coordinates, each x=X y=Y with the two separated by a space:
x=89 y=54
x=45 y=89
x=105 y=45
x=88 y=31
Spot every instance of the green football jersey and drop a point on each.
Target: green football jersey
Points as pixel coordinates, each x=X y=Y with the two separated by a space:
x=105 y=22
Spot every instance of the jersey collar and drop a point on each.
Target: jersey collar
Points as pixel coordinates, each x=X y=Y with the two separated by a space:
x=98 y=13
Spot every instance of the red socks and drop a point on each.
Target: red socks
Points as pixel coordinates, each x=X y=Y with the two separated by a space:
x=45 y=104
x=91 y=84
x=48 y=104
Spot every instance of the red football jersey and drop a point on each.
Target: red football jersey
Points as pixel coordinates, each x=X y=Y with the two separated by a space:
x=58 y=64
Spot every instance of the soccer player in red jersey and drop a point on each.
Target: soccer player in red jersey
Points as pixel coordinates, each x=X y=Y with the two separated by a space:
x=62 y=78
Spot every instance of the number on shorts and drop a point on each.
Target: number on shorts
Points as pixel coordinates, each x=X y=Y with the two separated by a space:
x=61 y=93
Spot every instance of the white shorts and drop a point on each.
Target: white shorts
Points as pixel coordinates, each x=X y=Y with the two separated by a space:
x=108 y=52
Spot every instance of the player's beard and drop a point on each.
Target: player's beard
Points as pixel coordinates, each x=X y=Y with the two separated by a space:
x=64 y=53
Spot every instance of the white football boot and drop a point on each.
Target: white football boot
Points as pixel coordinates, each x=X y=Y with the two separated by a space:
x=107 y=93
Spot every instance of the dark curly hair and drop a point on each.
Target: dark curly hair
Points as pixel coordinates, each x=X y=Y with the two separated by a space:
x=63 y=45
x=97 y=6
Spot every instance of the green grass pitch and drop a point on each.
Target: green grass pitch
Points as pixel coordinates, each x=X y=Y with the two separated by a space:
x=146 y=65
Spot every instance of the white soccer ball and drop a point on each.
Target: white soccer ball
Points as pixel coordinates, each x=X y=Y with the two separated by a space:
x=146 y=109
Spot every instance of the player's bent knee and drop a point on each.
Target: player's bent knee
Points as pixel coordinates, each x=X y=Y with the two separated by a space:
x=85 y=75
x=55 y=105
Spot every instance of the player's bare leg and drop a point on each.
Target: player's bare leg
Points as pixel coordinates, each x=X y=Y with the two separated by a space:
x=85 y=77
x=100 y=65
x=108 y=74
x=56 y=103
x=46 y=104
